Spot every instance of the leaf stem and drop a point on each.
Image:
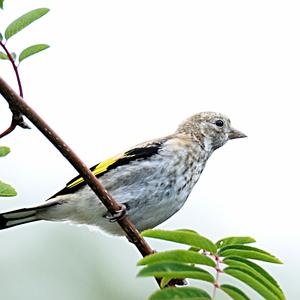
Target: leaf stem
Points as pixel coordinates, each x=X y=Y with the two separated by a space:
x=218 y=271
x=14 y=67
x=17 y=118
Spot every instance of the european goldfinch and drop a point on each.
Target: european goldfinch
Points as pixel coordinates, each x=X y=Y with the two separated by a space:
x=151 y=180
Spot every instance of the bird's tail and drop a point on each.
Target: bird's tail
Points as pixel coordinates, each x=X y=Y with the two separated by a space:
x=18 y=217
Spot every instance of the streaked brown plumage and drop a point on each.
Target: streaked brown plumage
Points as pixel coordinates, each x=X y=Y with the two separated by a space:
x=153 y=179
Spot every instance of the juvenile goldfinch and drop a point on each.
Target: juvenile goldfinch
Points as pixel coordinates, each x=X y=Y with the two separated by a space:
x=151 y=180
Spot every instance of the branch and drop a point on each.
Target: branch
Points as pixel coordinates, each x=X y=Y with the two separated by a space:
x=10 y=58
x=17 y=118
x=14 y=100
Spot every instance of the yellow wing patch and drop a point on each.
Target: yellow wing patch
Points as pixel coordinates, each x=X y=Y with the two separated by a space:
x=140 y=152
x=98 y=169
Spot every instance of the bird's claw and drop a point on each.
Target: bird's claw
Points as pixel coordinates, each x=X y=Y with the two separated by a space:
x=118 y=215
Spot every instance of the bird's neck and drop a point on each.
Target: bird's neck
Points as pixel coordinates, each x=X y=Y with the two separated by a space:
x=203 y=141
x=205 y=144
x=208 y=145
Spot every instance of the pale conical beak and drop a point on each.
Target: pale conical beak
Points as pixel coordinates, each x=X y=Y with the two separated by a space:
x=235 y=134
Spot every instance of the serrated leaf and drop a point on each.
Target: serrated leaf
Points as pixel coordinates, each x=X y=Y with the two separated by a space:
x=182 y=256
x=248 y=252
x=3 y=55
x=182 y=237
x=234 y=292
x=24 y=21
x=184 y=293
x=262 y=275
x=176 y=271
x=7 y=190
x=4 y=150
x=251 y=280
x=32 y=50
x=232 y=240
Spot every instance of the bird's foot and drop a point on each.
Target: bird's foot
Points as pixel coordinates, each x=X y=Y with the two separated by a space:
x=118 y=215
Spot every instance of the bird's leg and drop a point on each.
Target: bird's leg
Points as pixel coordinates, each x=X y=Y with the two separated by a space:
x=118 y=215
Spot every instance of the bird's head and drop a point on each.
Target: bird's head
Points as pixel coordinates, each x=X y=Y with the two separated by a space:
x=210 y=128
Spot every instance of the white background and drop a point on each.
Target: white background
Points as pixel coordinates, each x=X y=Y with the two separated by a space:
x=121 y=72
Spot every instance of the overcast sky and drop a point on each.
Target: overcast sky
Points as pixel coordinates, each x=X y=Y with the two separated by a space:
x=122 y=72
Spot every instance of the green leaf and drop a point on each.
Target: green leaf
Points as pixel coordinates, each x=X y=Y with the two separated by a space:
x=234 y=260
x=253 y=281
x=1 y=36
x=24 y=21
x=195 y=249
x=186 y=230
x=4 y=150
x=233 y=240
x=175 y=270
x=1 y=4
x=183 y=256
x=164 y=281
x=234 y=292
x=32 y=50
x=184 y=293
x=3 y=55
x=6 y=190
x=262 y=275
x=248 y=252
x=182 y=237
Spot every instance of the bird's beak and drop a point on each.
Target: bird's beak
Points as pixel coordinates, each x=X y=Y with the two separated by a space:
x=235 y=134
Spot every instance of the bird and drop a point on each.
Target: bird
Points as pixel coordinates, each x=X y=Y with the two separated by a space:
x=151 y=180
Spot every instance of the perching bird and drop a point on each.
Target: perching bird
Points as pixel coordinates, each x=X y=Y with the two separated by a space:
x=152 y=180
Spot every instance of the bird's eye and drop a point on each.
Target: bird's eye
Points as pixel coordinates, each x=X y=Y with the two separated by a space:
x=219 y=123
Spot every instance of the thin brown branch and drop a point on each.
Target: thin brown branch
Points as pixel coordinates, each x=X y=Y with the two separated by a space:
x=111 y=204
x=11 y=128
x=17 y=118
x=12 y=61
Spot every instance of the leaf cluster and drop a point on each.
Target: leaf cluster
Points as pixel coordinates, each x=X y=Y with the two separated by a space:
x=5 y=189
x=15 y=27
x=231 y=256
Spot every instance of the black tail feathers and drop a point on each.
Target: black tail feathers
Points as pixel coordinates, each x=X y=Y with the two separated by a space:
x=18 y=217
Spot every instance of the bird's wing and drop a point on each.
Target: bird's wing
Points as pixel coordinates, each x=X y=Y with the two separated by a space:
x=139 y=152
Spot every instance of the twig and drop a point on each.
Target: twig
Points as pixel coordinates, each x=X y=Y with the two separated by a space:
x=11 y=59
x=17 y=118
